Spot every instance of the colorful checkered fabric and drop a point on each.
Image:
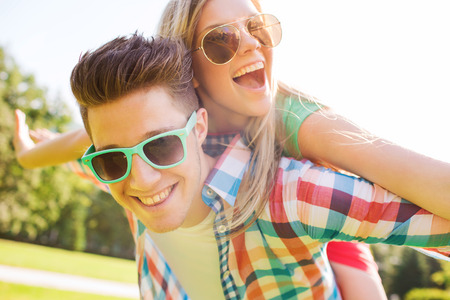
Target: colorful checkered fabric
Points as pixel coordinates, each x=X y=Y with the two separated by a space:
x=282 y=255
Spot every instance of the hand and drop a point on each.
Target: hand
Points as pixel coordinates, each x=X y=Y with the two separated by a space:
x=25 y=140
x=42 y=148
x=22 y=139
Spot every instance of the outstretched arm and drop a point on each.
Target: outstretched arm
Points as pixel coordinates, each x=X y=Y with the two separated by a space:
x=333 y=140
x=49 y=149
x=336 y=206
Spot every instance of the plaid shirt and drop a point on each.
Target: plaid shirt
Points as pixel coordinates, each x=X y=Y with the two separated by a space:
x=282 y=255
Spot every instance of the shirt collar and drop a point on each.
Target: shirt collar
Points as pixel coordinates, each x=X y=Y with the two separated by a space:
x=226 y=176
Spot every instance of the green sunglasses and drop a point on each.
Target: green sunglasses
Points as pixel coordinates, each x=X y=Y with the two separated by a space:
x=163 y=151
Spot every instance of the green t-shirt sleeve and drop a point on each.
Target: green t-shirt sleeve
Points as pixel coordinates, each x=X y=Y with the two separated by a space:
x=295 y=110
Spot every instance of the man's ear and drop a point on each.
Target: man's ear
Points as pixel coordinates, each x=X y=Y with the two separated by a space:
x=201 y=127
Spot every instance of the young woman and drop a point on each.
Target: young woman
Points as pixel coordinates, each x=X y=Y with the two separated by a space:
x=234 y=83
x=236 y=87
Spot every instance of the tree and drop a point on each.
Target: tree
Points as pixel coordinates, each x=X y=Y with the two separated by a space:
x=51 y=205
x=22 y=211
x=442 y=279
x=403 y=269
x=413 y=271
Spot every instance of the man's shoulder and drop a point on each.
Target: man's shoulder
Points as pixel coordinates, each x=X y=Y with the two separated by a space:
x=289 y=164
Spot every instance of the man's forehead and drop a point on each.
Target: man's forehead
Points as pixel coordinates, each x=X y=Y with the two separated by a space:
x=134 y=118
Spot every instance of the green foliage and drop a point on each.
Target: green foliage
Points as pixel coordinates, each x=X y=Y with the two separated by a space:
x=427 y=294
x=103 y=221
x=23 y=213
x=412 y=272
x=50 y=206
x=403 y=269
x=441 y=278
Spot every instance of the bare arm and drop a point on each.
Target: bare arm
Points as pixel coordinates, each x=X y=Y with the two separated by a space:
x=49 y=150
x=420 y=179
x=353 y=283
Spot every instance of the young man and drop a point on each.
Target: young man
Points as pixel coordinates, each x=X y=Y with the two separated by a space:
x=141 y=112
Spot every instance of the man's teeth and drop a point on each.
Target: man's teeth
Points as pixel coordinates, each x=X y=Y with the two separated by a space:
x=249 y=69
x=157 y=198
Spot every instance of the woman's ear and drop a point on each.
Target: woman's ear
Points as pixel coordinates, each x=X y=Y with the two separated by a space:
x=201 y=127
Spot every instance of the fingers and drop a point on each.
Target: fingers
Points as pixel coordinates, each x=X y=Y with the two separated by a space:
x=21 y=126
x=23 y=133
x=20 y=120
x=42 y=134
x=21 y=140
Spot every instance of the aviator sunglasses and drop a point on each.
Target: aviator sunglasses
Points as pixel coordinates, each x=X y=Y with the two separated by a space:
x=162 y=151
x=220 y=44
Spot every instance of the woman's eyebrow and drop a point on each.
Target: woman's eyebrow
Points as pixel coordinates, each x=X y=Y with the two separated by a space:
x=212 y=26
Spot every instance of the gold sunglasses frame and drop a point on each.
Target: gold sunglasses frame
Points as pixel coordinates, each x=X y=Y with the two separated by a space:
x=239 y=36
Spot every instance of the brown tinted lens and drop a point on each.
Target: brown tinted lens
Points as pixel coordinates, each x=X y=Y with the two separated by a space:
x=220 y=44
x=164 y=151
x=266 y=29
x=110 y=166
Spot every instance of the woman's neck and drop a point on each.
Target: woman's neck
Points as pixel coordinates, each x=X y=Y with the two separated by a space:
x=225 y=122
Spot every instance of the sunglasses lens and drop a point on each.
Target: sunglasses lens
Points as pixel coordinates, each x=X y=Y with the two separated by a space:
x=266 y=29
x=220 y=45
x=110 y=166
x=164 y=151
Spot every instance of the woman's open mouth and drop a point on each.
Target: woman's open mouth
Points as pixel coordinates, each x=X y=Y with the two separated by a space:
x=251 y=76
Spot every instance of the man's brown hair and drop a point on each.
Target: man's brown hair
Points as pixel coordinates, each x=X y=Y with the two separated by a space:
x=129 y=64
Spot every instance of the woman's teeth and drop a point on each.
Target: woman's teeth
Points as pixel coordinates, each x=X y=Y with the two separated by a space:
x=251 y=77
x=249 y=69
x=157 y=198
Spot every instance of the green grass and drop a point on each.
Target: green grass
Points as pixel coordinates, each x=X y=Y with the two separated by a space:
x=64 y=261
x=23 y=292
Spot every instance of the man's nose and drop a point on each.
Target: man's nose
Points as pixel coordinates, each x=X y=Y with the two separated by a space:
x=142 y=175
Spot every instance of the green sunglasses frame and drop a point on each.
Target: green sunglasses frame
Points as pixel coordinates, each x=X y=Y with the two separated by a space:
x=239 y=34
x=182 y=133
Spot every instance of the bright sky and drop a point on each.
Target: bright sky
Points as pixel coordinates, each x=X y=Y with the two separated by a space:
x=385 y=64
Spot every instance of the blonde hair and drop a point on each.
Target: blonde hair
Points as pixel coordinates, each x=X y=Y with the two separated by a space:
x=180 y=19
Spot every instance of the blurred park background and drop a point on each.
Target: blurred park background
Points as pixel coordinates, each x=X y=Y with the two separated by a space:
x=384 y=64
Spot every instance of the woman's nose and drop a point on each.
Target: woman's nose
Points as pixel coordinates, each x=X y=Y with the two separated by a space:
x=248 y=42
